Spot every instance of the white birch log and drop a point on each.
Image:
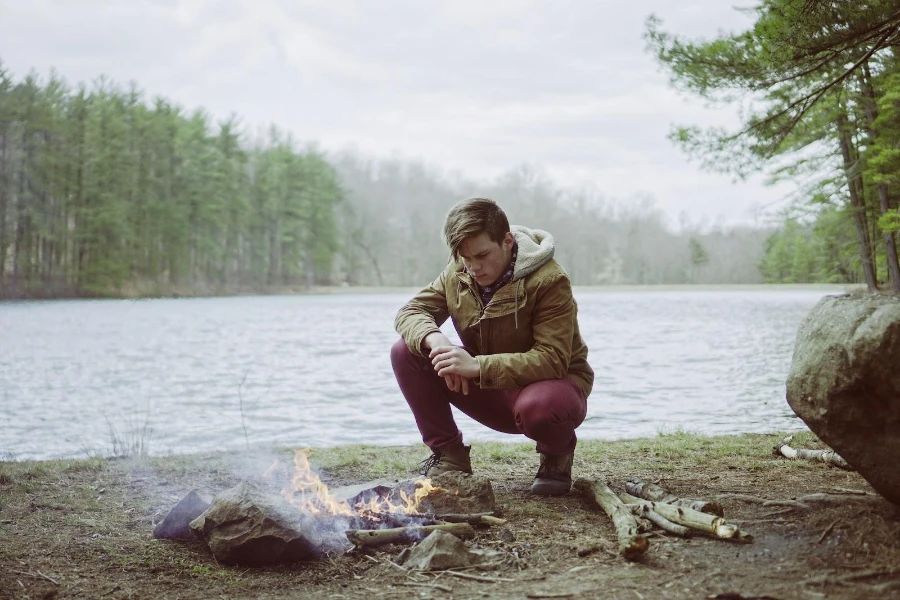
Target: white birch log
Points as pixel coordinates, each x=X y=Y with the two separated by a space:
x=829 y=457
x=655 y=493
x=694 y=519
x=631 y=543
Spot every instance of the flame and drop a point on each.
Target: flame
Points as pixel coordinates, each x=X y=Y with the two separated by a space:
x=308 y=493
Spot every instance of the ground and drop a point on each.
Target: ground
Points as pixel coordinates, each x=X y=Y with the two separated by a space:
x=81 y=529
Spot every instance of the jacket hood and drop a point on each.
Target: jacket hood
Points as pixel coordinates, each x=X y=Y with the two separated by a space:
x=536 y=248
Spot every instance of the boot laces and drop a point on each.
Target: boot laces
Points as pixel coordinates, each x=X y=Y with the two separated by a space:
x=429 y=463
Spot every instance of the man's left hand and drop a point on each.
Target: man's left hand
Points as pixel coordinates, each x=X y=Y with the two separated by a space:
x=453 y=359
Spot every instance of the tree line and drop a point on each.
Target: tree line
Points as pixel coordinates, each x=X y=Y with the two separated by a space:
x=106 y=192
x=103 y=192
x=819 y=86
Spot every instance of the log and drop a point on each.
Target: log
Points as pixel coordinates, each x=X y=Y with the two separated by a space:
x=829 y=457
x=472 y=519
x=660 y=521
x=631 y=543
x=694 y=519
x=377 y=537
x=655 y=493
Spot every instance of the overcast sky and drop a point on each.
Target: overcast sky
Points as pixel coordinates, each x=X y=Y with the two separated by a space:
x=478 y=86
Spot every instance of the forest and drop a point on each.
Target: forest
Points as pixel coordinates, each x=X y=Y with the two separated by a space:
x=108 y=191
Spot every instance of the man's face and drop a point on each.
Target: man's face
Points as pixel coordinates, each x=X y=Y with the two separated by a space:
x=485 y=259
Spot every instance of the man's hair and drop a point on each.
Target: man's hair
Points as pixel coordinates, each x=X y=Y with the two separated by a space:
x=473 y=217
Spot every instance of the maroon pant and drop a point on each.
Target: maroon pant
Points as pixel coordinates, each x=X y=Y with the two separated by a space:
x=545 y=411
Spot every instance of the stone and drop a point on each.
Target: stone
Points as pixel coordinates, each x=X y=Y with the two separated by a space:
x=176 y=524
x=442 y=550
x=844 y=383
x=247 y=525
x=460 y=493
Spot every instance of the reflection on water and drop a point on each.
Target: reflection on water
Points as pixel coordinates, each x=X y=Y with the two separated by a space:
x=315 y=370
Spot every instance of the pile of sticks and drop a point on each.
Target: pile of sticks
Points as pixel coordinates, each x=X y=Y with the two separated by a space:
x=462 y=526
x=642 y=505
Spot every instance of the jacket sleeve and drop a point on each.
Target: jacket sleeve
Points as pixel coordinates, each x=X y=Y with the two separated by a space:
x=554 y=323
x=424 y=314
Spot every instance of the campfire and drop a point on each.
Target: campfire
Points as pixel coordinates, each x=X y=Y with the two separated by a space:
x=254 y=524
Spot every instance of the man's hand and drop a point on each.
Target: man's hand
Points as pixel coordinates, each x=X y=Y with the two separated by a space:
x=456 y=382
x=454 y=360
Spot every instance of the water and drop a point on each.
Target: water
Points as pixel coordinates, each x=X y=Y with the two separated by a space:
x=193 y=375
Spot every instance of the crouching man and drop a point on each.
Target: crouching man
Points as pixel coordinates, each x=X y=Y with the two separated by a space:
x=522 y=368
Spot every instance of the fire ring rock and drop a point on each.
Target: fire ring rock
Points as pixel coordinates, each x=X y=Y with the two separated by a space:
x=844 y=383
x=249 y=526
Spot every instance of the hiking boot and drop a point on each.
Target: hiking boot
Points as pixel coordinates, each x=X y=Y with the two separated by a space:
x=554 y=476
x=454 y=457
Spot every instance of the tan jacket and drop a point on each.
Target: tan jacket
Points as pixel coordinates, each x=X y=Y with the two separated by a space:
x=528 y=332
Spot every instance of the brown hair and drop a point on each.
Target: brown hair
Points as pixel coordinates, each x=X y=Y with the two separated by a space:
x=473 y=217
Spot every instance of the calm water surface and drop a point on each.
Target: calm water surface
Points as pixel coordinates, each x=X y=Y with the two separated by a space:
x=215 y=373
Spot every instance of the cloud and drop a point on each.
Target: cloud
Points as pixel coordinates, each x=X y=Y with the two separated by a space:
x=472 y=86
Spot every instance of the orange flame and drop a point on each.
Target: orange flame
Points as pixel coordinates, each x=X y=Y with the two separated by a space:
x=308 y=493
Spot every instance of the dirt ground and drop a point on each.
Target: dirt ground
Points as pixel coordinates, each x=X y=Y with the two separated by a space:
x=81 y=529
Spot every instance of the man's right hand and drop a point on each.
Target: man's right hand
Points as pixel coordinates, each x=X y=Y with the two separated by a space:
x=455 y=383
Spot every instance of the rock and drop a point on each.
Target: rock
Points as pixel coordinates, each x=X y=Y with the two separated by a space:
x=844 y=383
x=176 y=525
x=249 y=526
x=460 y=493
x=442 y=550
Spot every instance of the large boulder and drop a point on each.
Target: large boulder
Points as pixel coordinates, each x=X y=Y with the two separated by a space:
x=247 y=525
x=844 y=383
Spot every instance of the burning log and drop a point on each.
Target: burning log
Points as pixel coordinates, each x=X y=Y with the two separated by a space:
x=694 y=519
x=829 y=457
x=377 y=537
x=655 y=493
x=631 y=543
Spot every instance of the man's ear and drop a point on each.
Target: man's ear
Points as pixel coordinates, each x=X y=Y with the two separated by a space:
x=508 y=240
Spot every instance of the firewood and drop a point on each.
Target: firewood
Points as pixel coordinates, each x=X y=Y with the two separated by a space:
x=631 y=543
x=473 y=519
x=694 y=519
x=660 y=521
x=655 y=493
x=376 y=537
x=830 y=457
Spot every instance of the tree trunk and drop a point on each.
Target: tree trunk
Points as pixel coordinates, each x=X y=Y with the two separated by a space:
x=857 y=203
x=870 y=108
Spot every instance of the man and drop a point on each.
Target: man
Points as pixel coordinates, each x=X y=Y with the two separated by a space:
x=523 y=365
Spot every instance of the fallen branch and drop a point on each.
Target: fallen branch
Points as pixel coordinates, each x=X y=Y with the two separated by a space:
x=437 y=586
x=830 y=457
x=655 y=493
x=660 y=521
x=472 y=519
x=478 y=577
x=631 y=543
x=694 y=519
x=377 y=537
x=762 y=501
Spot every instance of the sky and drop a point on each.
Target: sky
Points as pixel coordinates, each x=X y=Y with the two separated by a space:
x=472 y=86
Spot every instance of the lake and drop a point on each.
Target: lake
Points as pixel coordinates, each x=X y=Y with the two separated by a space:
x=189 y=375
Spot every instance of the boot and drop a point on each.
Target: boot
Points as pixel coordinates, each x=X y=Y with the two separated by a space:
x=453 y=457
x=554 y=476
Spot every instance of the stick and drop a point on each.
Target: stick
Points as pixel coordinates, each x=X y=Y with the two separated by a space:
x=478 y=577
x=662 y=522
x=376 y=537
x=551 y=595
x=655 y=493
x=826 y=532
x=694 y=519
x=631 y=543
x=826 y=456
x=763 y=501
x=473 y=519
x=38 y=574
x=438 y=586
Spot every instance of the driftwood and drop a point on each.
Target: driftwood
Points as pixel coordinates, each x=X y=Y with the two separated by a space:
x=631 y=543
x=376 y=537
x=694 y=519
x=830 y=457
x=660 y=521
x=655 y=493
